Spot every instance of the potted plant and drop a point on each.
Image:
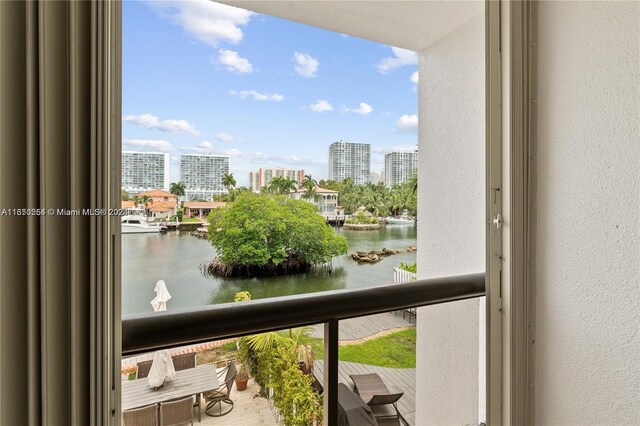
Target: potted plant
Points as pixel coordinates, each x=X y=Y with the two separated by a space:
x=242 y=377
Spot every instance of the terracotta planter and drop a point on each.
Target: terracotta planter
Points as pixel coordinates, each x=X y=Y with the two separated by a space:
x=241 y=383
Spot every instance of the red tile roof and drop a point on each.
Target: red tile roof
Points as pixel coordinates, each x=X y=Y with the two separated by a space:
x=157 y=193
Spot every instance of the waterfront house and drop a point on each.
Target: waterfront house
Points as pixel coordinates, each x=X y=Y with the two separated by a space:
x=527 y=168
x=326 y=200
x=201 y=209
x=160 y=196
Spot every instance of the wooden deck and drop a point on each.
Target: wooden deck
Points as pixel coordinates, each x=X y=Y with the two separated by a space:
x=396 y=379
x=361 y=327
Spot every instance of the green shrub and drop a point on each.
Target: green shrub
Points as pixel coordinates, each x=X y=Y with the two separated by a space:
x=276 y=367
x=409 y=267
x=361 y=219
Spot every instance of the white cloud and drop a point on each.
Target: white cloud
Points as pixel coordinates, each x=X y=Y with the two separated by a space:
x=321 y=105
x=232 y=152
x=206 y=147
x=225 y=137
x=234 y=62
x=363 y=109
x=259 y=157
x=150 y=121
x=307 y=66
x=148 y=145
x=205 y=20
x=257 y=96
x=400 y=58
x=407 y=124
x=414 y=77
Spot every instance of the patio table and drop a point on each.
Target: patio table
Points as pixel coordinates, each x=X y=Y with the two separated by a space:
x=191 y=381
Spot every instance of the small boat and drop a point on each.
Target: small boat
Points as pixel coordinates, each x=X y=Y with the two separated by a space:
x=401 y=220
x=139 y=225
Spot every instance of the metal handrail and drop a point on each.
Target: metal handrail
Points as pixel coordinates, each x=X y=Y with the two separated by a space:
x=161 y=330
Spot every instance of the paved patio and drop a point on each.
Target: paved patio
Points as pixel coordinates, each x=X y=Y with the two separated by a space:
x=249 y=409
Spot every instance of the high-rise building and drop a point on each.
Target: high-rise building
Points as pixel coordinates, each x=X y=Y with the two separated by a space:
x=399 y=167
x=202 y=175
x=144 y=171
x=350 y=160
x=377 y=177
x=263 y=177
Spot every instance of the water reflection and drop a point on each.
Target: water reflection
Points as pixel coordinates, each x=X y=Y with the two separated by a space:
x=175 y=258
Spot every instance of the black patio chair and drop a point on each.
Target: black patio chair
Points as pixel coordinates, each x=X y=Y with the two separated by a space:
x=216 y=398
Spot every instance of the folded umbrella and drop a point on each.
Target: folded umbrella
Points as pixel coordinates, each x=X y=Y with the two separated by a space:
x=159 y=302
x=162 y=367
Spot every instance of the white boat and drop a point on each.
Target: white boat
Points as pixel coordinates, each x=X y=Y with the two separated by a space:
x=400 y=220
x=139 y=225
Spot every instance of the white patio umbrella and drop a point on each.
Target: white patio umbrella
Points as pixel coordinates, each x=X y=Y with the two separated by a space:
x=162 y=368
x=159 y=302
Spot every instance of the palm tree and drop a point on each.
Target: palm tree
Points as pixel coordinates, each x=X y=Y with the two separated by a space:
x=228 y=181
x=145 y=200
x=309 y=193
x=309 y=182
x=177 y=188
x=281 y=185
x=266 y=341
x=289 y=185
x=413 y=183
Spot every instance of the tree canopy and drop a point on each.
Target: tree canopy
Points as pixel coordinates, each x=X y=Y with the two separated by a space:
x=177 y=188
x=272 y=232
x=376 y=198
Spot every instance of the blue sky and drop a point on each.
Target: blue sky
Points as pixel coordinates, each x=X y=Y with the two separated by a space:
x=201 y=77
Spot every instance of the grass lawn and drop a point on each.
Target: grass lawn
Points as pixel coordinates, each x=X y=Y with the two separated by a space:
x=395 y=350
x=190 y=220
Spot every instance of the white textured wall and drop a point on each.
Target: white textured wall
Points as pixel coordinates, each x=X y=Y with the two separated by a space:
x=451 y=221
x=588 y=200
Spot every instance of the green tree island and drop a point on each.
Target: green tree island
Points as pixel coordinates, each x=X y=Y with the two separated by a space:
x=265 y=235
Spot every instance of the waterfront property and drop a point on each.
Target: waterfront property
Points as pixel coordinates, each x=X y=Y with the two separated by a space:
x=201 y=209
x=326 y=200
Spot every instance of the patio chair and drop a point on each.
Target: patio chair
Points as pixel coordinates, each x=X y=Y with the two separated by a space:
x=145 y=416
x=216 y=398
x=374 y=392
x=184 y=361
x=143 y=369
x=177 y=412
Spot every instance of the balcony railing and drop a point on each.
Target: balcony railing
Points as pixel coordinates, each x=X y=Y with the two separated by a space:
x=162 y=330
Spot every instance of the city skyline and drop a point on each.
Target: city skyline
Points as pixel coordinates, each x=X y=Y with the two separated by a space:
x=262 y=90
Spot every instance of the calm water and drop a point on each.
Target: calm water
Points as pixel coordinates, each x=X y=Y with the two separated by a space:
x=175 y=257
